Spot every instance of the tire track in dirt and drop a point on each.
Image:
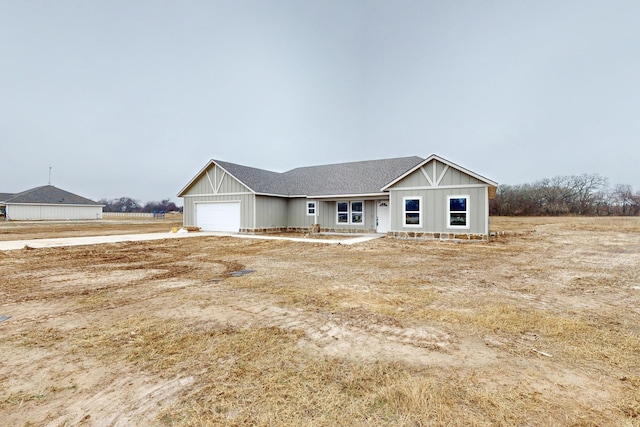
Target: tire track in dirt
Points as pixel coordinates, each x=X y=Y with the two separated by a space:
x=351 y=335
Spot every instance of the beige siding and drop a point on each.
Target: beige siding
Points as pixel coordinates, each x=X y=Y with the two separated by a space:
x=271 y=212
x=328 y=217
x=246 y=207
x=439 y=174
x=33 y=212
x=416 y=179
x=215 y=185
x=297 y=212
x=216 y=181
x=434 y=209
x=442 y=181
x=456 y=177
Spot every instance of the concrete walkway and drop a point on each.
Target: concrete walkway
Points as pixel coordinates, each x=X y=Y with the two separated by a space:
x=96 y=240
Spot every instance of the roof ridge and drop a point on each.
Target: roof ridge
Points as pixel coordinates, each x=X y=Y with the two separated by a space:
x=357 y=162
x=49 y=194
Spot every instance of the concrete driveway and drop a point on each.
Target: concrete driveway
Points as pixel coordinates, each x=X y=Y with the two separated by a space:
x=95 y=240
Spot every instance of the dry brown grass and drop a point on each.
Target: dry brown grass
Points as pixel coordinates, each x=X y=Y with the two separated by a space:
x=540 y=327
x=24 y=230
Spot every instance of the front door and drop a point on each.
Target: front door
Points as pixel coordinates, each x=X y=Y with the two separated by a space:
x=382 y=216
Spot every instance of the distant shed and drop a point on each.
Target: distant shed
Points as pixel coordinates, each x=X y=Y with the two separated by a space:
x=48 y=203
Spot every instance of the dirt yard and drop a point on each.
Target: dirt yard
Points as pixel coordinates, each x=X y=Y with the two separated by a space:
x=540 y=327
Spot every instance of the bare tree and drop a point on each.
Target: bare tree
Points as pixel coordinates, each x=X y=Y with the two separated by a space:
x=586 y=194
x=582 y=191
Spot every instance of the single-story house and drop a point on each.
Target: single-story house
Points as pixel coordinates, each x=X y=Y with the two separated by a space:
x=47 y=203
x=407 y=197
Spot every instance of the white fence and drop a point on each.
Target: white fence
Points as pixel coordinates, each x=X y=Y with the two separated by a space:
x=127 y=214
x=172 y=215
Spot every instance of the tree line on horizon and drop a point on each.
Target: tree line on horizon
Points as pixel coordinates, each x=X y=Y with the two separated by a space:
x=587 y=194
x=127 y=204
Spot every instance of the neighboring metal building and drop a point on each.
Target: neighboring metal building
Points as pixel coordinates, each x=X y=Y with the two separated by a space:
x=47 y=203
x=407 y=197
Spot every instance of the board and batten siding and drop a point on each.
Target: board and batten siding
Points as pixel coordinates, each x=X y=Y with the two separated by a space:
x=216 y=181
x=441 y=175
x=297 y=212
x=215 y=185
x=271 y=212
x=433 y=183
x=328 y=216
x=434 y=209
x=44 y=212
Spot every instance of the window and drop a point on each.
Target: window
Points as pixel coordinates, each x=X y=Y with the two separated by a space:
x=356 y=212
x=458 y=211
x=350 y=212
x=343 y=212
x=311 y=208
x=412 y=211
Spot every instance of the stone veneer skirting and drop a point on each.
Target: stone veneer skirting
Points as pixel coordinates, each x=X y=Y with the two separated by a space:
x=403 y=235
x=312 y=229
x=416 y=235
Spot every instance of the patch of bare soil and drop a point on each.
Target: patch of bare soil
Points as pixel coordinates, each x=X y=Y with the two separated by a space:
x=538 y=327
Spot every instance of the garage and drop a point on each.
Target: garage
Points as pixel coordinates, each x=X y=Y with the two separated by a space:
x=48 y=203
x=219 y=216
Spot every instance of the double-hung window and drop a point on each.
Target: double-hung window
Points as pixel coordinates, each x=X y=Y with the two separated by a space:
x=357 y=210
x=458 y=211
x=412 y=211
x=350 y=212
x=311 y=208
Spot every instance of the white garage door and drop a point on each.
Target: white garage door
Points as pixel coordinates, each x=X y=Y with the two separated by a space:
x=218 y=216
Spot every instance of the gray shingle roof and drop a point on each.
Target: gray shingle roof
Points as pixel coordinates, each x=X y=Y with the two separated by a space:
x=5 y=196
x=48 y=194
x=366 y=177
x=259 y=180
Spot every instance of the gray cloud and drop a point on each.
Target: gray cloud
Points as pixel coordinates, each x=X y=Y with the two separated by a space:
x=132 y=98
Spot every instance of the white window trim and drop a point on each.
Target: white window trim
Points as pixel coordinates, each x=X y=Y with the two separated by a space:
x=338 y=214
x=448 y=217
x=404 y=212
x=349 y=212
x=315 y=208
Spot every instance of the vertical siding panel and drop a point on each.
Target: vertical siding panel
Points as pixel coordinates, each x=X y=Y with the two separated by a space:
x=434 y=209
x=328 y=214
x=203 y=191
x=35 y=212
x=246 y=207
x=297 y=213
x=271 y=212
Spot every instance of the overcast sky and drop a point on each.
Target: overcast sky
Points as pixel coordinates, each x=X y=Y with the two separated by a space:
x=132 y=98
